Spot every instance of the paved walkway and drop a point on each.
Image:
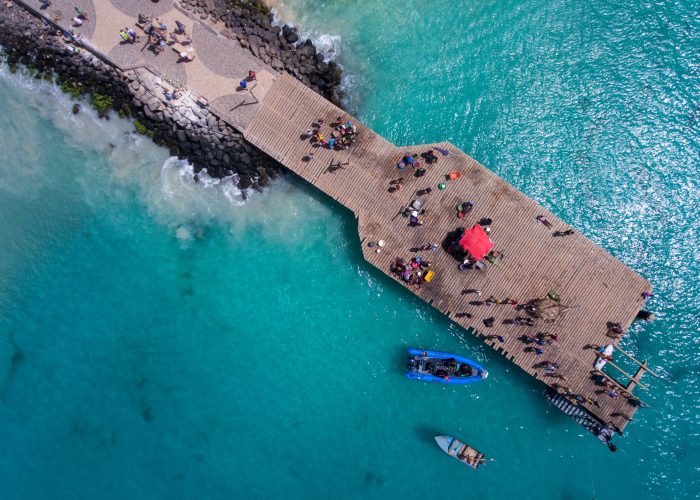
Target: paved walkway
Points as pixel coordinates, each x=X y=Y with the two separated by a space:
x=277 y=112
x=219 y=63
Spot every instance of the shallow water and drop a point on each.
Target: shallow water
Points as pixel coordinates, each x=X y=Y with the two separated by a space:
x=164 y=339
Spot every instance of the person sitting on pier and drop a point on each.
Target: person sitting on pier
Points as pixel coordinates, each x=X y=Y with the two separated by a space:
x=399 y=265
x=185 y=57
x=158 y=45
x=615 y=328
x=81 y=13
x=414 y=221
x=132 y=35
x=175 y=94
x=429 y=156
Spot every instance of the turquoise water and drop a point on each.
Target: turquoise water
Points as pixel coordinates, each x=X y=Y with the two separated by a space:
x=161 y=339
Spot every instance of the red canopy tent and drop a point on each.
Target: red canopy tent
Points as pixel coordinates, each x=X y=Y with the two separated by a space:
x=476 y=242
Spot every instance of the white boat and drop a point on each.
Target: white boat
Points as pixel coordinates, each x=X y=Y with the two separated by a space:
x=460 y=451
x=599 y=361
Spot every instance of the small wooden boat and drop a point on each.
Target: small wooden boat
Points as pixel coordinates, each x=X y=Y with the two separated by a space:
x=600 y=362
x=444 y=367
x=460 y=451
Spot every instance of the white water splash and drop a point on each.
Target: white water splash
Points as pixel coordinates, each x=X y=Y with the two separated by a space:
x=114 y=165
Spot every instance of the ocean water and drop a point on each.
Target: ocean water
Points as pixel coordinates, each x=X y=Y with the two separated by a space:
x=166 y=339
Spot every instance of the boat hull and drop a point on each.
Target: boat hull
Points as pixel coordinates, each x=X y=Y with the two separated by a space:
x=455 y=448
x=481 y=373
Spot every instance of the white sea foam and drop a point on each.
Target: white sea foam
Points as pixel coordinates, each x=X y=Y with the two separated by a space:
x=325 y=43
x=115 y=165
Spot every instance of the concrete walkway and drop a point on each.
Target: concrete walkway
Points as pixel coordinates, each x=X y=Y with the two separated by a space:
x=219 y=63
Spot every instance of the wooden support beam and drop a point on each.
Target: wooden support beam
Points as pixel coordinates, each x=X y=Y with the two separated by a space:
x=646 y=366
x=633 y=383
x=631 y=377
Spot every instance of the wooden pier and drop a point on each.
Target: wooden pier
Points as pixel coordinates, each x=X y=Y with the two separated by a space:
x=598 y=288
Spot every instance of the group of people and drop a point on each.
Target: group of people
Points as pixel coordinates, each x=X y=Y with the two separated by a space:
x=343 y=134
x=159 y=37
x=128 y=35
x=613 y=391
x=80 y=16
x=536 y=343
x=170 y=96
x=409 y=160
x=450 y=367
x=574 y=397
x=412 y=272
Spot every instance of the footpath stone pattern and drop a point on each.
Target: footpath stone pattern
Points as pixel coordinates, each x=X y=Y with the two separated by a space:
x=221 y=56
x=125 y=54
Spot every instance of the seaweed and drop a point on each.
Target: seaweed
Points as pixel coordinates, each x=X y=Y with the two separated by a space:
x=141 y=129
x=101 y=102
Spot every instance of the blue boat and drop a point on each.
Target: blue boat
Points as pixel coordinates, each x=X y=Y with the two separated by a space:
x=444 y=367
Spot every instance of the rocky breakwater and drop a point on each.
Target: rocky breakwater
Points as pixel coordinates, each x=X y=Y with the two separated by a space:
x=195 y=133
x=188 y=130
x=250 y=23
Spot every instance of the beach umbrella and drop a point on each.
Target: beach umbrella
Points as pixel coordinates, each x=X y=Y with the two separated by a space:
x=476 y=242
